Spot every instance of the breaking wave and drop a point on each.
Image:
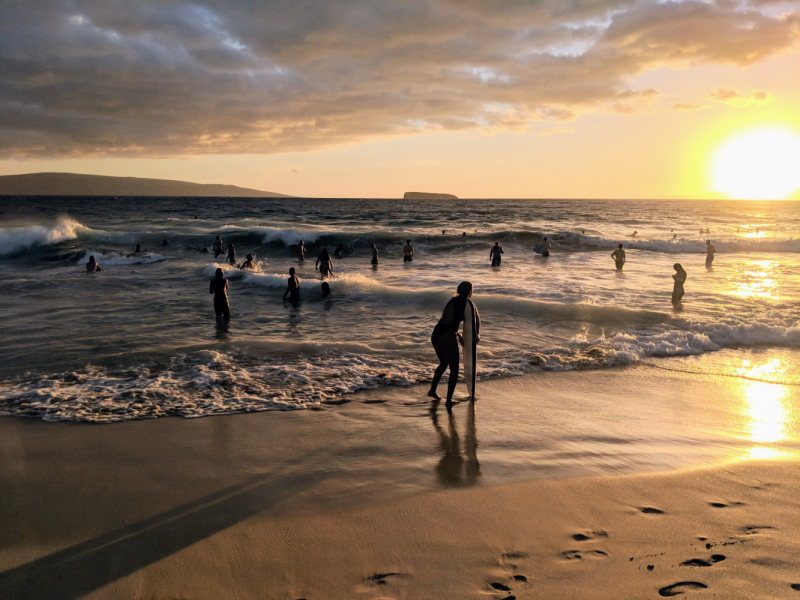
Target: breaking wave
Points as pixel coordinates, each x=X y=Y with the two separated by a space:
x=17 y=240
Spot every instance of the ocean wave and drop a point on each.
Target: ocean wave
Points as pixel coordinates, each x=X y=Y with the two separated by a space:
x=17 y=240
x=110 y=259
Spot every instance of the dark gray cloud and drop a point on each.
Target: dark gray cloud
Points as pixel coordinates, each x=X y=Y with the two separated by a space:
x=158 y=78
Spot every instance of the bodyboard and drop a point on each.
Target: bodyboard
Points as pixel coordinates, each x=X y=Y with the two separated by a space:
x=470 y=348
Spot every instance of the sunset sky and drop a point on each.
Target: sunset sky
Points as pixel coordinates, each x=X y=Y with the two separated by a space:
x=362 y=98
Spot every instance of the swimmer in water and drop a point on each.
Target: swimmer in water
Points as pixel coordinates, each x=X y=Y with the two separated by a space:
x=674 y=236
x=219 y=287
x=248 y=264
x=495 y=254
x=710 y=250
x=619 y=257
x=408 y=252
x=231 y=260
x=324 y=263
x=442 y=231
x=165 y=243
x=139 y=249
x=326 y=289
x=680 y=279
x=302 y=251
x=547 y=247
x=92 y=266
x=445 y=339
x=293 y=289
x=204 y=250
x=374 y=254
x=219 y=247
x=464 y=234
x=635 y=233
x=338 y=251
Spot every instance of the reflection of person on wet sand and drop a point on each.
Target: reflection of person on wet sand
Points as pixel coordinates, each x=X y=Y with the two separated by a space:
x=455 y=469
x=219 y=287
x=680 y=279
x=619 y=257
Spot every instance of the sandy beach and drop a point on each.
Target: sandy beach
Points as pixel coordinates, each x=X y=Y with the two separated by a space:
x=382 y=497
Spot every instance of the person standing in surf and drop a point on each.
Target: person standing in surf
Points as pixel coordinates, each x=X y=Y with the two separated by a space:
x=710 y=250
x=92 y=266
x=324 y=263
x=231 y=256
x=619 y=257
x=680 y=279
x=293 y=289
x=219 y=287
x=302 y=251
x=219 y=247
x=546 y=247
x=494 y=254
x=408 y=252
x=445 y=339
x=374 y=254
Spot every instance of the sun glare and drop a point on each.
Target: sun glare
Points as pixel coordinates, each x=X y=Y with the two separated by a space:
x=763 y=164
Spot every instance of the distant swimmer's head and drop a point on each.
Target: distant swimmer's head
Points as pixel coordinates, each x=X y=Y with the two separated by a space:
x=219 y=238
x=677 y=267
x=442 y=231
x=708 y=241
x=91 y=258
x=408 y=242
x=220 y=273
x=620 y=246
x=291 y=271
x=301 y=242
x=138 y=248
x=326 y=289
x=498 y=243
x=372 y=245
x=464 y=289
x=165 y=243
x=249 y=257
x=464 y=234
x=545 y=239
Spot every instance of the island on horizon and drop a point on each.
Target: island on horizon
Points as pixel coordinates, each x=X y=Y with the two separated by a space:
x=73 y=184
x=428 y=196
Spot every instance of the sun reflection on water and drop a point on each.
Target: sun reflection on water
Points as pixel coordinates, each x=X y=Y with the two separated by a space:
x=756 y=280
x=764 y=407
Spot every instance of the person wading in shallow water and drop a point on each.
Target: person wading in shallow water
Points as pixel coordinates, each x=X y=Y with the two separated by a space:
x=293 y=287
x=219 y=247
x=92 y=266
x=231 y=255
x=324 y=263
x=494 y=254
x=619 y=257
x=408 y=252
x=710 y=250
x=219 y=287
x=680 y=279
x=445 y=340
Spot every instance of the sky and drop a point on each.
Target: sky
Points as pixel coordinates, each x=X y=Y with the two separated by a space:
x=373 y=98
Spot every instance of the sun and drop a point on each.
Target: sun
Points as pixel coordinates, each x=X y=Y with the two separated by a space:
x=762 y=164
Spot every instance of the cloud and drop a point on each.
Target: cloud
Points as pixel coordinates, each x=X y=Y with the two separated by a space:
x=684 y=106
x=161 y=78
x=734 y=98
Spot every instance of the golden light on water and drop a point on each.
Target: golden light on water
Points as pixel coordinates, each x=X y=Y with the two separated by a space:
x=757 y=279
x=761 y=164
x=764 y=407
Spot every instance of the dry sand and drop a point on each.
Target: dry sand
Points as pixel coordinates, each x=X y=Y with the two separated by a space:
x=190 y=509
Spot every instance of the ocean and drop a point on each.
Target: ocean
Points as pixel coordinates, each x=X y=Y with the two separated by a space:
x=140 y=339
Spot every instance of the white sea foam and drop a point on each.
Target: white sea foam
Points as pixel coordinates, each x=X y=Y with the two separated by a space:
x=19 y=239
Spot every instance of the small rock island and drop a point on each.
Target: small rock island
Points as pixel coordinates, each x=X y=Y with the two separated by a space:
x=428 y=196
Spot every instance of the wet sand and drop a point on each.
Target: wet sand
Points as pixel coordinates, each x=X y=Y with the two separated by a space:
x=383 y=498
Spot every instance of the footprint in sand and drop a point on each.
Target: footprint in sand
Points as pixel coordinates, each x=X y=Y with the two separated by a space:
x=795 y=586
x=375 y=401
x=589 y=535
x=681 y=588
x=579 y=554
x=723 y=505
x=381 y=578
x=699 y=562
x=649 y=510
x=753 y=529
x=500 y=587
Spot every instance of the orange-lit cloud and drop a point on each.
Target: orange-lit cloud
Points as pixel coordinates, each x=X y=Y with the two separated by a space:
x=152 y=78
x=685 y=106
x=734 y=98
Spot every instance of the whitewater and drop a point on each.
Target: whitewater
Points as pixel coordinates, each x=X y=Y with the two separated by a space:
x=140 y=339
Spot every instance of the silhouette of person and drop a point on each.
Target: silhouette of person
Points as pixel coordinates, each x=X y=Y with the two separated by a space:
x=231 y=256
x=710 y=250
x=248 y=264
x=204 y=250
x=547 y=247
x=324 y=263
x=495 y=254
x=326 y=289
x=139 y=249
x=680 y=279
x=219 y=247
x=445 y=339
x=374 y=254
x=165 y=243
x=219 y=287
x=92 y=266
x=302 y=250
x=293 y=289
x=338 y=251
x=408 y=252
x=619 y=257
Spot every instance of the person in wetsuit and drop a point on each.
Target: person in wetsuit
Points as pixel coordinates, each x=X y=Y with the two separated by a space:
x=219 y=287
x=248 y=264
x=680 y=279
x=408 y=252
x=293 y=289
x=494 y=254
x=619 y=257
x=374 y=254
x=324 y=263
x=231 y=260
x=219 y=247
x=710 y=250
x=445 y=339
x=92 y=266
